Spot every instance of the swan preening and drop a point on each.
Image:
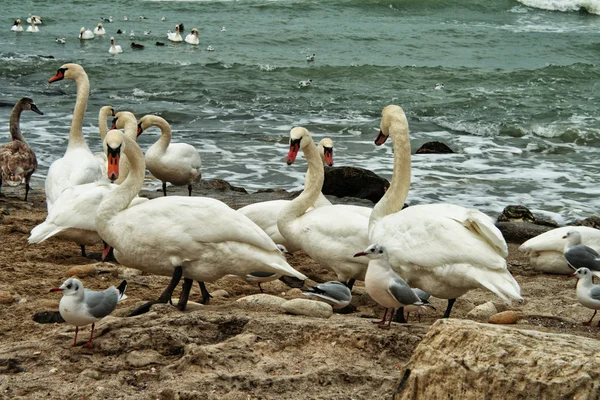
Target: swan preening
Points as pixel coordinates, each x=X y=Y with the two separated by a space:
x=174 y=36
x=99 y=30
x=192 y=38
x=198 y=238
x=78 y=165
x=85 y=34
x=443 y=249
x=17 y=27
x=175 y=163
x=114 y=48
x=17 y=159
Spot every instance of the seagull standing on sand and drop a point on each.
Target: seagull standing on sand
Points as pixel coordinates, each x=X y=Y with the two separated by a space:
x=80 y=306
x=385 y=286
x=588 y=294
x=333 y=293
x=579 y=255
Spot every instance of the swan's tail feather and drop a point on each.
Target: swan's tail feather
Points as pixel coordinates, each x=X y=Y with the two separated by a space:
x=501 y=283
x=42 y=232
x=484 y=226
x=286 y=269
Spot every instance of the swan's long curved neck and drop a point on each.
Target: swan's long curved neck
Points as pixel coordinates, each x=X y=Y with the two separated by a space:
x=76 y=138
x=165 y=132
x=119 y=198
x=130 y=127
x=312 y=185
x=102 y=124
x=393 y=200
x=15 y=123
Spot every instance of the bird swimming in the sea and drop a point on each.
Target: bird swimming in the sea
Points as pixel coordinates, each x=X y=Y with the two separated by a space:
x=305 y=83
x=310 y=58
x=60 y=40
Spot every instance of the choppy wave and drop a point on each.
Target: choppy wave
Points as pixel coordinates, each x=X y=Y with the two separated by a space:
x=590 y=6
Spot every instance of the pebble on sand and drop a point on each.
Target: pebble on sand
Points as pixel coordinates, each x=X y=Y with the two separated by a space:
x=5 y=297
x=263 y=299
x=482 y=312
x=504 y=318
x=81 y=271
x=307 y=307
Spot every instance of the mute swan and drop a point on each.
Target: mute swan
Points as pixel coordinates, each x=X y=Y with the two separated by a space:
x=174 y=36
x=85 y=34
x=545 y=251
x=80 y=306
x=114 y=48
x=17 y=26
x=17 y=159
x=103 y=127
x=266 y=213
x=385 y=286
x=99 y=30
x=588 y=294
x=192 y=38
x=330 y=234
x=443 y=249
x=78 y=165
x=33 y=28
x=200 y=238
x=34 y=20
x=126 y=121
x=176 y=163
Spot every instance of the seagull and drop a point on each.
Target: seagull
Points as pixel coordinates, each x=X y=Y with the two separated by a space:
x=310 y=58
x=80 y=306
x=109 y=19
x=131 y=34
x=439 y=86
x=424 y=296
x=306 y=83
x=142 y=17
x=223 y=29
x=210 y=48
x=147 y=32
x=385 y=286
x=126 y=18
x=579 y=255
x=60 y=40
x=588 y=294
x=333 y=293
x=163 y=19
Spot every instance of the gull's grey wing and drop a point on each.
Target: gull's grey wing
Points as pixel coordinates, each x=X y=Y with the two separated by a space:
x=336 y=290
x=402 y=292
x=423 y=295
x=583 y=257
x=100 y=304
x=595 y=292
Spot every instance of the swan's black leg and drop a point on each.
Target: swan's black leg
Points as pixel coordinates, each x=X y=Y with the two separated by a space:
x=83 y=253
x=399 y=317
x=165 y=188
x=205 y=295
x=166 y=295
x=185 y=293
x=190 y=189
x=27 y=187
x=449 y=308
x=350 y=283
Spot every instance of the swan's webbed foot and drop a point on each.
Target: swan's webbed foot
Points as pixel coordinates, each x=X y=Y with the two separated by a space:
x=399 y=317
x=165 y=296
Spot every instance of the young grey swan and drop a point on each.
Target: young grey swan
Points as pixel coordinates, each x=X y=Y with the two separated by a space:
x=17 y=160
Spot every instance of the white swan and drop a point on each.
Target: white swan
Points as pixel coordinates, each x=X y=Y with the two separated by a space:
x=34 y=20
x=99 y=30
x=33 y=28
x=266 y=213
x=201 y=238
x=114 y=48
x=192 y=38
x=443 y=249
x=330 y=235
x=103 y=114
x=17 y=26
x=85 y=34
x=545 y=251
x=174 y=36
x=125 y=120
x=78 y=165
x=176 y=163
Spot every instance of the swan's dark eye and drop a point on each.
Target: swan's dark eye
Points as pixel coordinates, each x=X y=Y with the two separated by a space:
x=69 y=286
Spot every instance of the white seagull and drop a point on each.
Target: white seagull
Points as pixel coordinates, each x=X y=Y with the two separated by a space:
x=588 y=294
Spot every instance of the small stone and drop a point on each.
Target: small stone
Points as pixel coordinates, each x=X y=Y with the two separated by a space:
x=22 y=300
x=82 y=271
x=6 y=297
x=504 y=318
x=308 y=307
x=294 y=293
x=126 y=273
x=142 y=358
x=220 y=293
x=53 y=370
x=263 y=299
x=483 y=311
x=190 y=305
x=90 y=373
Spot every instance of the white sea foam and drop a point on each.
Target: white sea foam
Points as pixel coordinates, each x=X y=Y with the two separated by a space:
x=591 y=6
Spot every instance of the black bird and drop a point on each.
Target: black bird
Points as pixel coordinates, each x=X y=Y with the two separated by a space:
x=119 y=31
x=160 y=44
x=137 y=46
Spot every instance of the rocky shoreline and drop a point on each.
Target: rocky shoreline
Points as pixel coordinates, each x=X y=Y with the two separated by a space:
x=238 y=350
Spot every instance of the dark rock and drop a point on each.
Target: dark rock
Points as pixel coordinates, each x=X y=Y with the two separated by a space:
x=519 y=213
x=434 y=147
x=10 y=366
x=206 y=185
x=48 y=317
x=354 y=182
x=592 y=222
x=519 y=232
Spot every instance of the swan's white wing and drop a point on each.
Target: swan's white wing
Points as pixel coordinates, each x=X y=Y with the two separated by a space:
x=183 y=154
x=265 y=214
x=429 y=238
x=553 y=239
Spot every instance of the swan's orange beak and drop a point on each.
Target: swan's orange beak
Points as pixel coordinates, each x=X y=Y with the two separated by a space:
x=380 y=139
x=360 y=254
x=140 y=130
x=60 y=75
x=328 y=156
x=113 y=155
x=294 y=148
